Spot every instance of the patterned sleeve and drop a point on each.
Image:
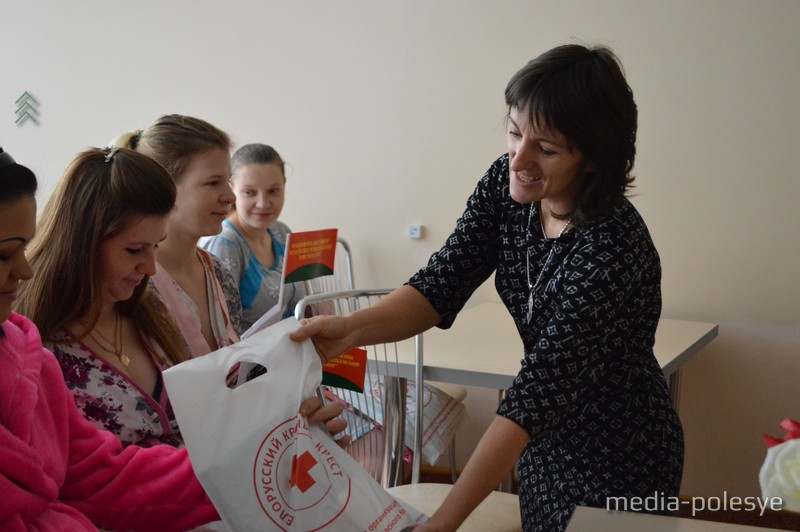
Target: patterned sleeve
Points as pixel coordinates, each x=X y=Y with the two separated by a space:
x=469 y=255
x=601 y=327
x=230 y=287
x=230 y=250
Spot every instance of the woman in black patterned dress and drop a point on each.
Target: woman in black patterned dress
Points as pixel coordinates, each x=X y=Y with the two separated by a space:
x=589 y=415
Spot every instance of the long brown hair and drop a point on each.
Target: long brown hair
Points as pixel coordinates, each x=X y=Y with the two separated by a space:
x=101 y=193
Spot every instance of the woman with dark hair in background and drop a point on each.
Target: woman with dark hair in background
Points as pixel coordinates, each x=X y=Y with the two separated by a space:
x=253 y=241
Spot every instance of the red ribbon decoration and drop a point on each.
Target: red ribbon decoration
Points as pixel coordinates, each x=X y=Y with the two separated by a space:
x=792 y=429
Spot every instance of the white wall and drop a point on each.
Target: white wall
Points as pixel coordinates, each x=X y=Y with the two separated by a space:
x=389 y=112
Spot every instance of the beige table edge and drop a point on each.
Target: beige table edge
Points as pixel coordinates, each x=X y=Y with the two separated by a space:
x=498 y=512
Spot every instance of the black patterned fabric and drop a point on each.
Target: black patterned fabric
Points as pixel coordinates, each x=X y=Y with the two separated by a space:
x=589 y=392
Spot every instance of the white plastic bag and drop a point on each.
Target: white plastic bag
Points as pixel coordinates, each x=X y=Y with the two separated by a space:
x=259 y=462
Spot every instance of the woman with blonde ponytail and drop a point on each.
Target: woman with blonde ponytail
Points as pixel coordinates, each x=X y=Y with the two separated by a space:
x=198 y=289
x=129 y=140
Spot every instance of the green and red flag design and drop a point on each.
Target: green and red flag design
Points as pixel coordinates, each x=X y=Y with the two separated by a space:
x=347 y=370
x=309 y=254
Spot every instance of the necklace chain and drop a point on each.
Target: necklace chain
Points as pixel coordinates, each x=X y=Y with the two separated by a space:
x=116 y=344
x=532 y=287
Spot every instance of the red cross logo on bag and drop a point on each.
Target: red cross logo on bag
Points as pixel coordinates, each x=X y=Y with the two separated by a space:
x=301 y=478
x=284 y=462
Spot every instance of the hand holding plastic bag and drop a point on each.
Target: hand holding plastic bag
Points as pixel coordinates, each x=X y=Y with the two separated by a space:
x=259 y=461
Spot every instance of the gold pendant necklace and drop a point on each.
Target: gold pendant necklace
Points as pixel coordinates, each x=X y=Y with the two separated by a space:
x=116 y=345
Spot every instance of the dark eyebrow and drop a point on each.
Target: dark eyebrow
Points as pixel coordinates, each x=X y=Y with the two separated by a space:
x=143 y=243
x=548 y=140
x=551 y=141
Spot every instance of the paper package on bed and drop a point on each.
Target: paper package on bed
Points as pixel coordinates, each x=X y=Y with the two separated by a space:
x=257 y=459
x=442 y=415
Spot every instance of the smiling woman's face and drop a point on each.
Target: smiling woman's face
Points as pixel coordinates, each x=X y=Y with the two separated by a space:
x=260 y=193
x=128 y=256
x=204 y=195
x=17 y=225
x=543 y=166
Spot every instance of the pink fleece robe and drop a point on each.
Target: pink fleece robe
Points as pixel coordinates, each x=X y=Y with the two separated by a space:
x=58 y=472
